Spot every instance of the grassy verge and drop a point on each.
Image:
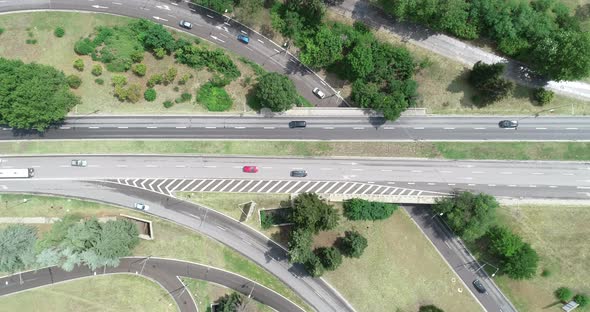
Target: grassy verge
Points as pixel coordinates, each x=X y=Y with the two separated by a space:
x=443 y=86
x=446 y=150
x=560 y=235
x=206 y=294
x=99 y=99
x=386 y=275
x=100 y=293
x=172 y=241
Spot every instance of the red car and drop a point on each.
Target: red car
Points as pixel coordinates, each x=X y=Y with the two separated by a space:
x=250 y=169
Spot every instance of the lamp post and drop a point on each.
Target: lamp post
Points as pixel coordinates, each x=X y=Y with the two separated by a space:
x=486 y=263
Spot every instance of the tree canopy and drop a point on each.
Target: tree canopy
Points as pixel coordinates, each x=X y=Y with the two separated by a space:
x=488 y=82
x=353 y=244
x=360 y=209
x=17 y=247
x=314 y=214
x=33 y=96
x=468 y=215
x=276 y=92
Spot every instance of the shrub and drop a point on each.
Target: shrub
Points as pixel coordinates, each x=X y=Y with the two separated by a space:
x=266 y=220
x=120 y=93
x=170 y=76
x=546 y=273
x=155 y=80
x=563 y=294
x=84 y=47
x=314 y=266
x=360 y=209
x=119 y=80
x=59 y=32
x=330 y=257
x=149 y=95
x=542 y=96
x=353 y=244
x=137 y=56
x=185 y=97
x=133 y=93
x=219 y=81
x=1 y=30
x=74 y=81
x=168 y=104
x=214 y=98
x=176 y=89
x=97 y=70
x=159 y=53
x=79 y=64
x=581 y=299
x=430 y=308
x=99 y=81
x=139 y=69
x=184 y=79
x=119 y=65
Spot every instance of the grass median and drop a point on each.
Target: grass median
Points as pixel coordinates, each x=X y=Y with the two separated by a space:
x=113 y=293
x=171 y=240
x=443 y=150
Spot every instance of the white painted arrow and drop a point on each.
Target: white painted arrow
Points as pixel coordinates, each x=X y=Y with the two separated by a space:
x=163 y=7
x=96 y=6
x=159 y=18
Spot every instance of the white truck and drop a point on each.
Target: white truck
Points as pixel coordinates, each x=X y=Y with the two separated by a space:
x=17 y=173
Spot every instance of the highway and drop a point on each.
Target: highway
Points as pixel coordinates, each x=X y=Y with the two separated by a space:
x=531 y=179
x=165 y=272
x=207 y=25
x=428 y=128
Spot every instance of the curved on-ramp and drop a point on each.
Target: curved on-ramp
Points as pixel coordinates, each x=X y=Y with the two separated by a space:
x=165 y=272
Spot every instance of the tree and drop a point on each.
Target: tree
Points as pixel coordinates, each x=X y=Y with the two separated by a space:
x=49 y=257
x=59 y=32
x=467 y=214
x=503 y=242
x=553 y=56
x=58 y=232
x=149 y=95
x=220 y=6
x=488 y=82
x=543 y=96
x=117 y=239
x=74 y=81
x=359 y=62
x=153 y=36
x=523 y=264
x=581 y=299
x=139 y=69
x=17 y=243
x=119 y=80
x=313 y=214
x=353 y=244
x=300 y=246
x=229 y=303
x=330 y=257
x=563 y=294
x=323 y=49
x=276 y=92
x=83 y=236
x=314 y=266
x=33 y=96
x=360 y=209
x=430 y=308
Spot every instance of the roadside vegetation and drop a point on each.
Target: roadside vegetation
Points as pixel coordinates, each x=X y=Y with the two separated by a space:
x=171 y=240
x=121 y=292
x=206 y=294
x=378 y=245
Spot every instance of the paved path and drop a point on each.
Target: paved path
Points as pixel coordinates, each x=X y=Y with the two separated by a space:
x=366 y=128
x=455 y=49
x=459 y=259
x=165 y=272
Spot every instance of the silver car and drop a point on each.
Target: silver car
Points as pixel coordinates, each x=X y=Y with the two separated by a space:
x=79 y=163
x=141 y=206
x=319 y=93
x=185 y=24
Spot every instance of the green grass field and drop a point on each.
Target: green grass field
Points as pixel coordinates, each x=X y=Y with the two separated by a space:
x=560 y=235
x=100 y=293
x=400 y=269
x=172 y=241
x=448 y=150
x=97 y=99
x=206 y=294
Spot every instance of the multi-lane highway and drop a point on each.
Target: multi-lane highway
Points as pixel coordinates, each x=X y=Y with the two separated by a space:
x=165 y=272
x=532 y=179
x=427 y=128
x=206 y=24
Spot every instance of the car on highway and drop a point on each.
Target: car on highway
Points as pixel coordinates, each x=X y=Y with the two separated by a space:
x=479 y=286
x=250 y=169
x=297 y=124
x=79 y=163
x=141 y=206
x=243 y=38
x=299 y=173
x=319 y=93
x=508 y=124
x=185 y=24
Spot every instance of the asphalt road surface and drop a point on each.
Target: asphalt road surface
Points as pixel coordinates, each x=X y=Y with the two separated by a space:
x=207 y=25
x=245 y=240
x=456 y=49
x=531 y=179
x=318 y=128
x=165 y=272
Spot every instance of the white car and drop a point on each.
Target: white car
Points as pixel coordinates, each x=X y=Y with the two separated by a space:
x=141 y=206
x=319 y=93
x=79 y=163
x=185 y=24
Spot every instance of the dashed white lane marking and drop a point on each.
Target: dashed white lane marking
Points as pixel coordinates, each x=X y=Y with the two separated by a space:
x=491 y=184
x=209 y=166
x=243 y=32
x=64 y=127
x=180 y=166
x=449 y=128
x=445 y=171
x=541 y=128
x=512 y=185
x=471 y=184
x=532 y=186
x=416 y=171
x=328 y=128
x=36 y=166
x=506 y=172
x=223 y=35
x=117 y=3
x=221 y=227
x=386 y=170
x=209 y=16
x=411 y=183
x=266 y=167
x=468 y=178
x=538 y=173
x=152 y=127
x=249 y=49
x=388 y=128
x=121 y=166
x=477 y=172
x=240 y=127
x=451 y=184
x=269 y=127
x=357 y=169
x=430 y=183
x=210 y=127
x=326 y=169
x=567 y=174
x=62 y=166
x=93 y=127
x=418 y=128
x=260 y=41
x=571 y=128
x=390 y=182
x=6 y=129
x=359 y=128
x=122 y=127
x=181 y=127
x=552 y=186
x=277 y=51
x=151 y=166
x=479 y=128
x=583 y=187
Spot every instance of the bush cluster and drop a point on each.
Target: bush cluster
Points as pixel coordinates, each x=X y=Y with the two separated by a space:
x=59 y=32
x=97 y=70
x=139 y=69
x=214 y=98
x=149 y=95
x=517 y=258
x=79 y=64
x=74 y=81
x=215 y=60
x=488 y=83
x=168 y=104
x=360 y=209
x=184 y=97
x=543 y=96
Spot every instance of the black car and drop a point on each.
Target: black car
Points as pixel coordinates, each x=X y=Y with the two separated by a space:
x=299 y=173
x=508 y=124
x=479 y=286
x=297 y=124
